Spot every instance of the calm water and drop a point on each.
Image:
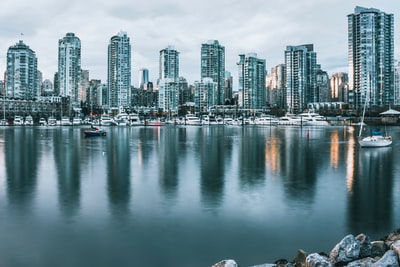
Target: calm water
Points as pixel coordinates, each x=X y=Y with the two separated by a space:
x=176 y=196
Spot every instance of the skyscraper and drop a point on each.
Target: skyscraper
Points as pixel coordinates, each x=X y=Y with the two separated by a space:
x=213 y=66
x=252 y=71
x=168 y=96
x=119 y=71
x=300 y=73
x=169 y=64
x=69 y=66
x=371 y=56
x=22 y=72
x=143 y=78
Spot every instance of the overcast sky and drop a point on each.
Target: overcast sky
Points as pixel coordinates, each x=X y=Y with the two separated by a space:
x=264 y=27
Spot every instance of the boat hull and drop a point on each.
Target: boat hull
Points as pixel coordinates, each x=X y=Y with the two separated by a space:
x=375 y=141
x=92 y=133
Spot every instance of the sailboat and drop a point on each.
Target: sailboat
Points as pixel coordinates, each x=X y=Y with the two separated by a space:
x=376 y=139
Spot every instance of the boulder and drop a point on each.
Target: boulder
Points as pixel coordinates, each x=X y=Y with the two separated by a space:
x=378 y=248
x=226 y=263
x=390 y=259
x=315 y=259
x=366 y=247
x=300 y=258
x=347 y=250
x=365 y=262
x=396 y=247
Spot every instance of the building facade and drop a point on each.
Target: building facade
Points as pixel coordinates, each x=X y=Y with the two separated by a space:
x=300 y=72
x=119 y=71
x=371 y=57
x=143 y=78
x=213 y=66
x=339 y=85
x=169 y=64
x=69 y=67
x=252 y=90
x=275 y=86
x=21 y=73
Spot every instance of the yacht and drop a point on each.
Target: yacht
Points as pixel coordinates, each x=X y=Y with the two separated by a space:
x=65 y=121
x=122 y=119
x=134 y=120
x=313 y=119
x=289 y=120
x=18 y=121
x=28 y=120
x=76 y=121
x=192 y=120
x=266 y=120
x=106 y=120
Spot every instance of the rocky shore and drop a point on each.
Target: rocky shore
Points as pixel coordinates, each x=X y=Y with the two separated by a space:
x=351 y=251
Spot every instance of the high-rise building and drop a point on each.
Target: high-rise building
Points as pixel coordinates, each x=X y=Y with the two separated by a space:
x=169 y=64
x=338 y=84
x=205 y=95
x=228 y=88
x=213 y=66
x=143 y=78
x=397 y=83
x=69 y=66
x=22 y=72
x=252 y=91
x=300 y=73
x=275 y=86
x=119 y=71
x=371 y=56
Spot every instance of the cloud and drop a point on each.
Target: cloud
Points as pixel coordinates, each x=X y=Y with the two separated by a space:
x=265 y=27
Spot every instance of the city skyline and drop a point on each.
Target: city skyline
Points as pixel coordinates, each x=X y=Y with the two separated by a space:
x=260 y=27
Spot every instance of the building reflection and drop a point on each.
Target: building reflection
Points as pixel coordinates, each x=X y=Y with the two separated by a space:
x=118 y=171
x=169 y=161
x=21 y=159
x=300 y=162
x=213 y=152
x=252 y=158
x=67 y=160
x=370 y=195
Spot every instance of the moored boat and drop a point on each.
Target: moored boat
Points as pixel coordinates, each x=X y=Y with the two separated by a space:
x=94 y=131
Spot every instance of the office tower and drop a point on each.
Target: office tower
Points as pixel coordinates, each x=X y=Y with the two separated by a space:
x=371 y=56
x=300 y=73
x=83 y=85
x=252 y=91
x=21 y=72
x=213 y=66
x=168 y=97
x=205 y=95
x=47 y=88
x=322 y=82
x=397 y=83
x=169 y=64
x=143 y=78
x=119 y=71
x=339 y=83
x=228 y=88
x=275 y=81
x=69 y=66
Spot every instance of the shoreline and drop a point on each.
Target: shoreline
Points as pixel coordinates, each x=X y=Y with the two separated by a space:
x=351 y=251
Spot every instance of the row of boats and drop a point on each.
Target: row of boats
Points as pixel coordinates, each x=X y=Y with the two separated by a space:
x=123 y=119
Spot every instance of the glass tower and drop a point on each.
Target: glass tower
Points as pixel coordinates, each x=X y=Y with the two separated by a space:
x=169 y=64
x=213 y=66
x=119 y=71
x=69 y=66
x=21 y=73
x=371 y=56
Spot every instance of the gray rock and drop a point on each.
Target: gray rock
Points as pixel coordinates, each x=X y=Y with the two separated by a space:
x=316 y=260
x=300 y=258
x=378 y=248
x=226 y=263
x=396 y=247
x=265 y=265
x=345 y=251
x=366 y=247
x=365 y=262
x=390 y=259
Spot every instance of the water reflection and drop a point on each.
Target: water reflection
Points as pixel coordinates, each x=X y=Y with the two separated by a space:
x=21 y=159
x=66 y=143
x=371 y=195
x=214 y=151
x=118 y=171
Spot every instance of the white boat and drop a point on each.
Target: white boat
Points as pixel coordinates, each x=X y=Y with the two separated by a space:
x=106 y=120
x=376 y=139
x=28 y=120
x=76 y=121
x=289 y=119
x=122 y=119
x=266 y=120
x=313 y=119
x=42 y=122
x=134 y=120
x=52 y=121
x=192 y=120
x=18 y=121
x=65 y=121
